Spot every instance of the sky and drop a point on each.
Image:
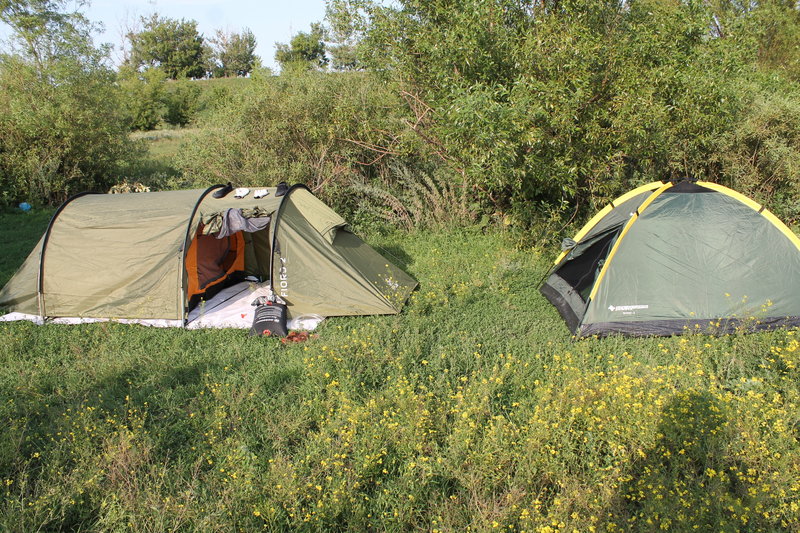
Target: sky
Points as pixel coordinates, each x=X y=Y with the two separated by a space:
x=270 y=21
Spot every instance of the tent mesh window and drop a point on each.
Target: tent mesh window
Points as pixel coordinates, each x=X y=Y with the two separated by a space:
x=581 y=271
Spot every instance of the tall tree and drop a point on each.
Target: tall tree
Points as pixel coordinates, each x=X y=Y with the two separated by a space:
x=347 y=24
x=307 y=49
x=61 y=130
x=43 y=30
x=175 y=46
x=234 y=53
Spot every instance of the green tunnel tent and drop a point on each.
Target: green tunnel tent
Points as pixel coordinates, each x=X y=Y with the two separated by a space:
x=161 y=255
x=670 y=258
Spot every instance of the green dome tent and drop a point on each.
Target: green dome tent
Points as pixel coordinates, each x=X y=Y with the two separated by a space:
x=156 y=255
x=670 y=258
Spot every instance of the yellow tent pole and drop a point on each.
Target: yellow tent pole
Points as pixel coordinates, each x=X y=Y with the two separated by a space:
x=622 y=234
x=783 y=228
x=607 y=209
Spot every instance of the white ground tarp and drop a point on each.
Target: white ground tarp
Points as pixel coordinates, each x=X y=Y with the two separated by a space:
x=230 y=308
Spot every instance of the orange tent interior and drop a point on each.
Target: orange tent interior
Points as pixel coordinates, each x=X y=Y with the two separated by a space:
x=210 y=261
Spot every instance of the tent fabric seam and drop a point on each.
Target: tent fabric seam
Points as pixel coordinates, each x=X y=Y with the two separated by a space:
x=661 y=327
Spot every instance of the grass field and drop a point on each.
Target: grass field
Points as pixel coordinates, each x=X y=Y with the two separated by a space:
x=156 y=167
x=163 y=145
x=472 y=409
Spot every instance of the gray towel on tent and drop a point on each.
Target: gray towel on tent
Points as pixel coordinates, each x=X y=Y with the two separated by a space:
x=234 y=221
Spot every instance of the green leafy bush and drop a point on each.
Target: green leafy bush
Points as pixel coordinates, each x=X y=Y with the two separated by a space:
x=182 y=101
x=326 y=131
x=143 y=97
x=62 y=130
x=344 y=135
x=173 y=46
x=761 y=155
x=553 y=109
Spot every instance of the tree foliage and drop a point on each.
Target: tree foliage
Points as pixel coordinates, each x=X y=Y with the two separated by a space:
x=535 y=110
x=182 y=100
x=234 y=53
x=761 y=154
x=45 y=30
x=143 y=97
x=62 y=129
x=545 y=106
x=174 y=46
x=344 y=31
x=304 y=49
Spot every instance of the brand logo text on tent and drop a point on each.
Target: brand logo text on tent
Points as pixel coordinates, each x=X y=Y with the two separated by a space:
x=283 y=276
x=624 y=308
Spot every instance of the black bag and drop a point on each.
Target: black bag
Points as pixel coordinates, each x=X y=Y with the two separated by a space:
x=269 y=319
